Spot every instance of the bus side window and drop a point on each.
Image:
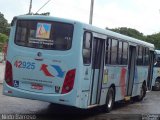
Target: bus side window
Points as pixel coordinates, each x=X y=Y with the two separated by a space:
x=114 y=52
x=87 y=48
x=140 y=56
x=146 y=57
x=108 y=51
x=120 y=52
x=125 y=53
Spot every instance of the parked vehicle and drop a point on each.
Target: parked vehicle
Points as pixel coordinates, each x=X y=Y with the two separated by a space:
x=72 y=63
x=156 y=72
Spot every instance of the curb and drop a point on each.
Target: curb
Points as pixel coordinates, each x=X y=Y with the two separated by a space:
x=1 y=81
x=2 y=67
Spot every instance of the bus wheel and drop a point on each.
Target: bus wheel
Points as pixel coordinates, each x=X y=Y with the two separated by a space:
x=156 y=86
x=142 y=93
x=109 y=100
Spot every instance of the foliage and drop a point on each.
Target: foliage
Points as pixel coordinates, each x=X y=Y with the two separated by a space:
x=3 y=39
x=4 y=26
x=154 y=38
x=129 y=32
x=4 y=30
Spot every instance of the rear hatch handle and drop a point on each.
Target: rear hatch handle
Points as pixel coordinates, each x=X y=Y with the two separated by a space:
x=39 y=59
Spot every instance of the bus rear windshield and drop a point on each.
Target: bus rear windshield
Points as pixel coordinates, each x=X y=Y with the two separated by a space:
x=44 y=34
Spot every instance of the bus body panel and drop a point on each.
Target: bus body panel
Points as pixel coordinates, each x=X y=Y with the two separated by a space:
x=116 y=75
x=141 y=73
x=68 y=99
x=156 y=70
x=156 y=75
x=43 y=79
x=49 y=73
x=103 y=96
x=41 y=73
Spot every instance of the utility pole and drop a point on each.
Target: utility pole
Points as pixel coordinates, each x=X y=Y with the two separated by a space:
x=91 y=12
x=30 y=7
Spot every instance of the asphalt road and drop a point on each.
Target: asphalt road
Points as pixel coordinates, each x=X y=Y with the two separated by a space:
x=121 y=111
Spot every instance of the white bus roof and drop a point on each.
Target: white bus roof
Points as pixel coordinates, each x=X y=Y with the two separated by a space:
x=91 y=28
x=120 y=36
x=157 y=51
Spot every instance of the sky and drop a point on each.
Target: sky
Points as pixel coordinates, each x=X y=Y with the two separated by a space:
x=142 y=15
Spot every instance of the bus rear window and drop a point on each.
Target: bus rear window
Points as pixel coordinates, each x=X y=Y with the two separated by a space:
x=44 y=34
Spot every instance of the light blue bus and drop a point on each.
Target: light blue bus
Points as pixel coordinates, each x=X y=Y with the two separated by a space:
x=71 y=63
x=156 y=72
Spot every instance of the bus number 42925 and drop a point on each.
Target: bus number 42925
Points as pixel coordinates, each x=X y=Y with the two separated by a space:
x=24 y=64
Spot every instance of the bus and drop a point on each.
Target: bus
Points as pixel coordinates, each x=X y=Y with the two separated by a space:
x=71 y=63
x=156 y=72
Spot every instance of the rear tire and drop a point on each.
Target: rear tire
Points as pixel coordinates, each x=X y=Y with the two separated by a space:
x=109 y=100
x=156 y=87
x=142 y=93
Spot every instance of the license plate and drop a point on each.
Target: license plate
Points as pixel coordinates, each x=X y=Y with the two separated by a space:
x=37 y=87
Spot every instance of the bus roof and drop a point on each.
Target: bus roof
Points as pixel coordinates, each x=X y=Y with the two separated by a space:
x=120 y=36
x=157 y=51
x=89 y=27
x=42 y=17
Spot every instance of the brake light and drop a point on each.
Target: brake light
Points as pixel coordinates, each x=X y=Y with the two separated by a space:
x=69 y=81
x=8 y=74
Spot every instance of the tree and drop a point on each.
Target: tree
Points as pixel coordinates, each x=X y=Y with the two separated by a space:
x=3 y=40
x=4 y=26
x=129 y=32
x=154 y=39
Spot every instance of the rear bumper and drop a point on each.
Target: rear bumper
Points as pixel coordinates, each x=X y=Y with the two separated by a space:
x=64 y=99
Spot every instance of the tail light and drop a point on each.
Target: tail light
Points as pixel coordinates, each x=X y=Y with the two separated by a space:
x=8 y=74
x=69 y=81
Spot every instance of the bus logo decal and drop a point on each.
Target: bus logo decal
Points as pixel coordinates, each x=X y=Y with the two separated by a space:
x=45 y=70
x=43 y=30
x=59 y=71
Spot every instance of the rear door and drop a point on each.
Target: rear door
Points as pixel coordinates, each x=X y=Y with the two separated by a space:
x=131 y=69
x=98 y=55
x=39 y=62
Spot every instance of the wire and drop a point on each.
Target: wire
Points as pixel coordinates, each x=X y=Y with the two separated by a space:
x=43 y=6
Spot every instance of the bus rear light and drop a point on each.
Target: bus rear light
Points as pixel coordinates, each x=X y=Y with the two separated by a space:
x=69 y=81
x=8 y=74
